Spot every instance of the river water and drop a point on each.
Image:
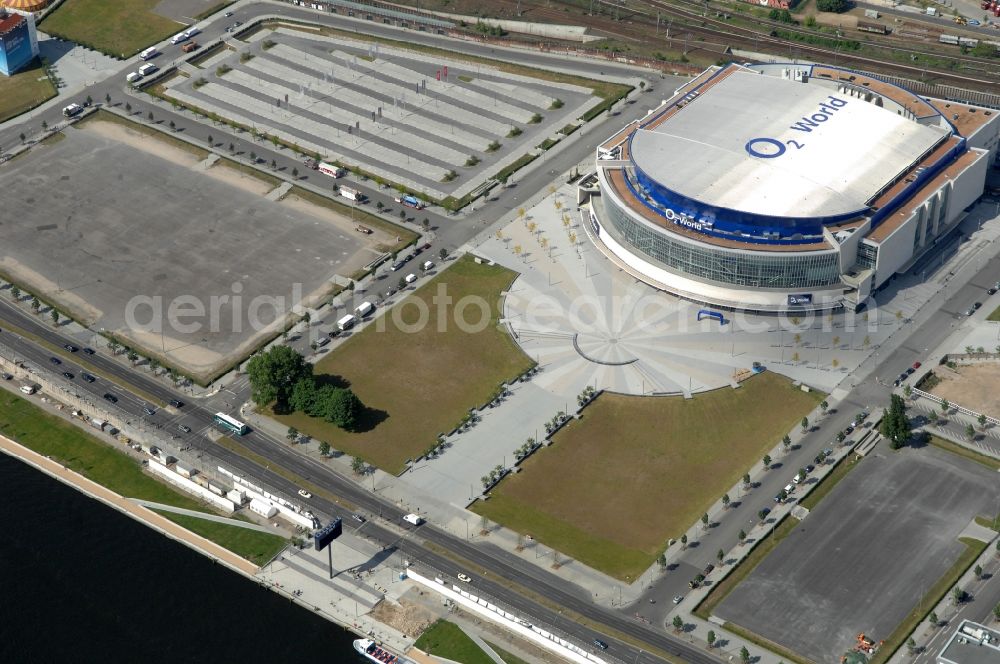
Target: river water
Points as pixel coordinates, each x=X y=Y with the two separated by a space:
x=80 y=582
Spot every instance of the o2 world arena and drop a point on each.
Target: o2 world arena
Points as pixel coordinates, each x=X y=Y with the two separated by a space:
x=785 y=187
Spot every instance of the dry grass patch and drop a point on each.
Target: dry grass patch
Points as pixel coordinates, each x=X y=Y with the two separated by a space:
x=24 y=91
x=417 y=384
x=636 y=471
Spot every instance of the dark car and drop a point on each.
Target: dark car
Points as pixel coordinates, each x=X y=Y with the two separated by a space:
x=909 y=372
x=55 y=360
x=810 y=468
x=398 y=265
x=67 y=374
x=426 y=246
x=600 y=644
x=708 y=569
x=87 y=377
x=991 y=291
x=916 y=365
x=148 y=410
x=88 y=351
x=185 y=428
x=175 y=403
x=976 y=305
x=764 y=512
x=71 y=348
x=110 y=397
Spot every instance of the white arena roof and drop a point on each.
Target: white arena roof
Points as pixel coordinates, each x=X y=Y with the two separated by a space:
x=851 y=150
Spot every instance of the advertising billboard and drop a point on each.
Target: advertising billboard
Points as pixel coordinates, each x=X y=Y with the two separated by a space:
x=16 y=49
x=322 y=538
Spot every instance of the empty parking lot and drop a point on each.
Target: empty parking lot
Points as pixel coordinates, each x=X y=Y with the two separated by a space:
x=116 y=227
x=866 y=555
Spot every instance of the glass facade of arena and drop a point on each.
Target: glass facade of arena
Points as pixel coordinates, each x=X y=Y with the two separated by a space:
x=867 y=256
x=782 y=270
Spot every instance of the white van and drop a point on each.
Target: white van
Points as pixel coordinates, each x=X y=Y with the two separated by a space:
x=364 y=309
x=179 y=37
x=192 y=32
x=133 y=77
x=410 y=278
x=346 y=322
x=28 y=389
x=147 y=69
x=413 y=518
x=150 y=52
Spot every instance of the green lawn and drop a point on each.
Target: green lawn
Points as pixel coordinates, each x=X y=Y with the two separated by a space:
x=447 y=640
x=417 y=381
x=23 y=91
x=636 y=471
x=119 y=28
x=995 y=315
x=255 y=546
x=506 y=656
x=46 y=434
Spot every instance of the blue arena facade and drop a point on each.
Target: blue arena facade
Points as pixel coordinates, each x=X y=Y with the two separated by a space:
x=786 y=187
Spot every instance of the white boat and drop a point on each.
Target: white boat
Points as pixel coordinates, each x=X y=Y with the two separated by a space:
x=377 y=653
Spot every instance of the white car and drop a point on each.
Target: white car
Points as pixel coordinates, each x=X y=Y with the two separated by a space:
x=305 y=494
x=464 y=578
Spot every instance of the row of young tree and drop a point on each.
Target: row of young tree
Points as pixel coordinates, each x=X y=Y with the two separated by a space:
x=281 y=378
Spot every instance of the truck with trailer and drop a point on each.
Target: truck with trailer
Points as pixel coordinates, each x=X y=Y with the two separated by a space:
x=331 y=170
x=352 y=195
x=410 y=201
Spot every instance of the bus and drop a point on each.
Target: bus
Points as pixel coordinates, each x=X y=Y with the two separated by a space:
x=230 y=424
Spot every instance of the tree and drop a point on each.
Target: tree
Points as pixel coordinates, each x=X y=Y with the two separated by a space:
x=211 y=141
x=35 y=304
x=710 y=637
x=978 y=572
x=128 y=107
x=911 y=645
x=786 y=441
x=805 y=424
x=132 y=356
x=295 y=173
x=154 y=364
x=766 y=461
x=958 y=595
x=895 y=425
x=401 y=284
x=292 y=433
x=684 y=541
x=22 y=137
x=661 y=560
x=824 y=405
x=762 y=515
x=933 y=417
x=741 y=536
x=150 y=116
x=835 y=6
x=274 y=373
x=720 y=555
x=970 y=431
x=745 y=655
x=15 y=292
x=704 y=520
x=725 y=501
x=107 y=99
x=379 y=205
x=274 y=164
x=982 y=421
x=402 y=215
x=443 y=254
x=342 y=407
x=324 y=448
x=746 y=480
x=933 y=618
x=232 y=148
x=357 y=465
x=678 y=623
x=45 y=125
x=907 y=391
x=54 y=313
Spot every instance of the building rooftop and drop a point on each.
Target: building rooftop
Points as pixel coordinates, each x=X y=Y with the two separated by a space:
x=968 y=646
x=9 y=22
x=765 y=145
x=967 y=119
